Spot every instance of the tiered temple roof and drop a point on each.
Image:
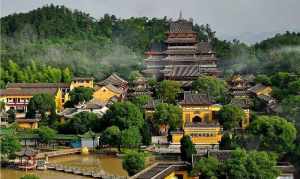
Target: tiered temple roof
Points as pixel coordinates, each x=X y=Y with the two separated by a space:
x=114 y=80
x=182 y=57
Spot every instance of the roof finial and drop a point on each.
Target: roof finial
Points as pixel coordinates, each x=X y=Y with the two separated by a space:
x=180 y=15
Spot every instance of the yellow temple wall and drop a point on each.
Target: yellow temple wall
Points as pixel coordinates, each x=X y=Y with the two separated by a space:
x=204 y=112
x=266 y=91
x=104 y=94
x=183 y=173
x=27 y=125
x=82 y=83
x=176 y=138
x=246 y=120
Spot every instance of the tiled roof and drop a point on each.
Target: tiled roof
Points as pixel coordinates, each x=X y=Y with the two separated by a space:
x=113 y=79
x=181 y=26
x=160 y=170
x=67 y=111
x=257 y=88
x=26 y=91
x=181 y=40
x=95 y=104
x=205 y=47
x=241 y=102
x=188 y=70
x=266 y=98
x=114 y=89
x=38 y=85
x=196 y=99
x=151 y=104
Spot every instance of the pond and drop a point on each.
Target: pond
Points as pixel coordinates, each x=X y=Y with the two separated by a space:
x=109 y=164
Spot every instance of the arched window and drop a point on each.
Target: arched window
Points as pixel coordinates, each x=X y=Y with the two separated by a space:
x=197 y=119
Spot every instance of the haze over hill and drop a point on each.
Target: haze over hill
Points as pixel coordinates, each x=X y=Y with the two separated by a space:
x=248 y=21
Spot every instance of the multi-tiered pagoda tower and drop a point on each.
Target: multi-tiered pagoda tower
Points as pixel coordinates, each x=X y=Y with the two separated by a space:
x=181 y=58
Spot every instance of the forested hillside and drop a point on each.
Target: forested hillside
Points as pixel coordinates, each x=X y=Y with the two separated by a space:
x=52 y=42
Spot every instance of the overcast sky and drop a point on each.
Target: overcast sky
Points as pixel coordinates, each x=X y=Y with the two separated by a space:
x=248 y=20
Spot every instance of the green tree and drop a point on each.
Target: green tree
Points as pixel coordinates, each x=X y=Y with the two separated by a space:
x=274 y=133
x=133 y=162
x=140 y=101
x=111 y=136
x=9 y=144
x=230 y=116
x=46 y=134
x=66 y=75
x=41 y=103
x=187 y=148
x=2 y=106
x=11 y=115
x=80 y=123
x=264 y=79
x=254 y=165
x=211 y=85
x=30 y=176
x=124 y=115
x=167 y=115
x=168 y=91
x=208 y=167
x=81 y=94
x=294 y=87
x=131 y=137
x=146 y=134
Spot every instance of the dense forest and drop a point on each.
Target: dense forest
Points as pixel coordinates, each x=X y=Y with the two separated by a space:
x=56 y=39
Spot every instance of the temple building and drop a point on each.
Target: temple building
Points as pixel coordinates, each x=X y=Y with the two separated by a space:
x=87 y=82
x=182 y=57
x=139 y=87
x=17 y=95
x=116 y=81
x=199 y=120
x=238 y=87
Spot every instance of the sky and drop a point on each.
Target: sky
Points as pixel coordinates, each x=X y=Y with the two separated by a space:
x=246 y=20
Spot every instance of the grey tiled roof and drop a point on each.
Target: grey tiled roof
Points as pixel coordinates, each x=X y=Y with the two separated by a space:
x=196 y=99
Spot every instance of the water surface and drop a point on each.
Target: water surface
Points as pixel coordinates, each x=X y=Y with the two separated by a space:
x=110 y=165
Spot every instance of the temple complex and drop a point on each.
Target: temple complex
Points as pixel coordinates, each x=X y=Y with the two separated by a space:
x=181 y=57
x=199 y=120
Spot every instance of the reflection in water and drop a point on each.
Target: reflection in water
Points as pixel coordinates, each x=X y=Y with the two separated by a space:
x=110 y=165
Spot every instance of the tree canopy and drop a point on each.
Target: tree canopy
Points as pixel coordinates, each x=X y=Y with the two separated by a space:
x=212 y=85
x=168 y=115
x=80 y=123
x=133 y=162
x=41 y=103
x=168 y=90
x=187 y=148
x=208 y=167
x=111 y=136
x=124 y=115
x=81 y=94
x=230 y=116
x=274 y=133
x=46 y=134
x=9 y=144
x=131 y=137
x=251 y=165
